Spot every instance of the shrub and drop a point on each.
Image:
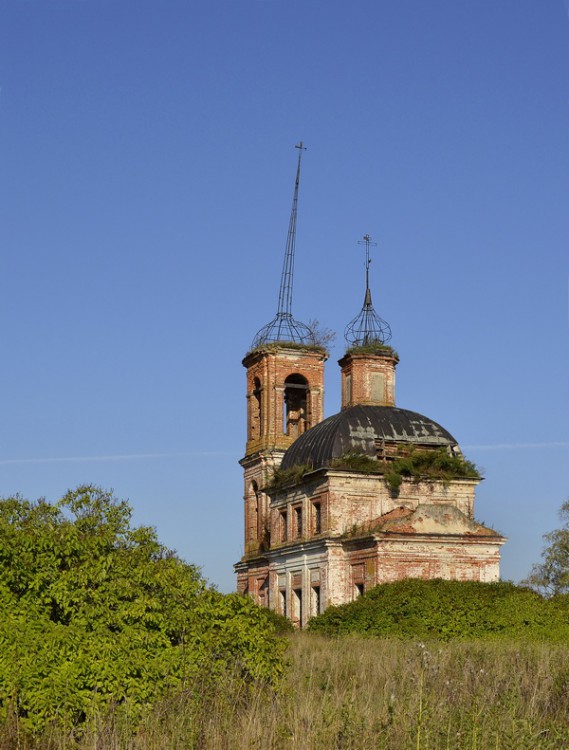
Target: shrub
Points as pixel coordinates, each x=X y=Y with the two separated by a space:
x=292 y=475
x=419 y=609
x=413 y=463
x=374 y=347
x=95 y=613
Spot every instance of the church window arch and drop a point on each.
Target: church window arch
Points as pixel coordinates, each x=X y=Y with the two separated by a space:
x=296 y=417
x=255 y=410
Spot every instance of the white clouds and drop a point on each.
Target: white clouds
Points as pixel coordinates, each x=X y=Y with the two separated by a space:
x=514 y=446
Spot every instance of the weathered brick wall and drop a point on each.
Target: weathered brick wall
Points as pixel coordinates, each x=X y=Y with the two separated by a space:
x=368 y=379
x=357 y=499
x=267 y=371
x=304 y=546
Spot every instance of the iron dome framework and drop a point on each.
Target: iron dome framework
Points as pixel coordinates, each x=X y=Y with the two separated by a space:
x=367 y=327
x=284 y=327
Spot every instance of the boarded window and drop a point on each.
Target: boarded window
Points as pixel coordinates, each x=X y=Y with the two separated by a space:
x=315 y=605
x=297 y=607
x=378 y=386
x=348 y=389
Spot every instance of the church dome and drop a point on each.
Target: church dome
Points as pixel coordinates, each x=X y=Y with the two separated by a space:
x=359 y=429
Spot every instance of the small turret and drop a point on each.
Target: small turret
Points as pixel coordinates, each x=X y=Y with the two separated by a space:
x=368 y=367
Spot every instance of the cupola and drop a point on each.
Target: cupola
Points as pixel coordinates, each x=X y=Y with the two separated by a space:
x=368 y=367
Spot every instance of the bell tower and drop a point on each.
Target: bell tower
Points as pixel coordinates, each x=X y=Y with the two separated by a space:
x=285 y=395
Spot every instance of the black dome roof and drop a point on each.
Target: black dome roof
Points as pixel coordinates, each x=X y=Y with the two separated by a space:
x=356 y=429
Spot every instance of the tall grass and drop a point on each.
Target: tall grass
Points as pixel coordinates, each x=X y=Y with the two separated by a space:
x=353 y=693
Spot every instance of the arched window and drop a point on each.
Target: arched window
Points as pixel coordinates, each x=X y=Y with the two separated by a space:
x=255 y=411
x=296 y=405
x=258 y=412
x=257 y=506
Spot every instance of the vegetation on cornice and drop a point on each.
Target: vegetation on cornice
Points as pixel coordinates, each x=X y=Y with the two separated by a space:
x=418 y=464
x=293 y=475
x=374 y=347
x=322 y=339
x=275 y=346
x=358 y=462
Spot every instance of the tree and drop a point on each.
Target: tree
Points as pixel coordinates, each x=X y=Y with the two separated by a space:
x=96 y=614
x=552 y=574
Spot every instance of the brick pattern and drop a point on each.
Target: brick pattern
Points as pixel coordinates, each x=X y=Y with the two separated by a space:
x=268 y=372
x=325 y=541
x=368 y=379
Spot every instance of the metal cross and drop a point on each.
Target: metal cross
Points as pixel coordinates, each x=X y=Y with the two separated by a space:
x=367 y=241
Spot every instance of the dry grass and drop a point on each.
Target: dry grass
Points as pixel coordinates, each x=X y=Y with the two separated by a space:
x=363 y=694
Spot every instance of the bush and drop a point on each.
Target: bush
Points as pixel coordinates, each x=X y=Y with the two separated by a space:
x=94 y=614
x=434 y=464
x=419 y=609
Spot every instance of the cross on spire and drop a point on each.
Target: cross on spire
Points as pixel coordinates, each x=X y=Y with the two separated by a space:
x=367 y=241
x=367 y=327
x=284 y=327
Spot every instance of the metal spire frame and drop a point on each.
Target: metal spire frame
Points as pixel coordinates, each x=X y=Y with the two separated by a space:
x=367 y=327
x=284 y=327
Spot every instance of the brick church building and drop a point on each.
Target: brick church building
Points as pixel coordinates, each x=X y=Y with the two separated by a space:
x=372 y=494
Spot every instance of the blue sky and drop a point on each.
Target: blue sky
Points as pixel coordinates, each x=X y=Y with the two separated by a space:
x=146 y=176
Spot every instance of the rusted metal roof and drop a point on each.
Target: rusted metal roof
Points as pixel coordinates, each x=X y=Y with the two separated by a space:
x=357 y=430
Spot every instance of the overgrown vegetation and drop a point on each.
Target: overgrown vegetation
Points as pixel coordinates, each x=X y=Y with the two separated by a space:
x=415 y=463
x=465 y=610
x=109 y=641
x=358 y=462
x=358 y=694
x=436 y=464
x=552 y=574
x=96 y=615
x=273 y=346
x=292 y=475
x=418 y=464
x=374 y=347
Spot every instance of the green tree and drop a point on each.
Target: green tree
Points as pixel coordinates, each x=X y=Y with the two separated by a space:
x=552 y=574
x=95 y=613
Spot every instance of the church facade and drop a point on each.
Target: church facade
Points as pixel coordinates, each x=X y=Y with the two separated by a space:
x=375 y=493
x=321 y=527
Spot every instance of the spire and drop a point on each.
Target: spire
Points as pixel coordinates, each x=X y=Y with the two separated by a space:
x=284 y=327
x=367 y=327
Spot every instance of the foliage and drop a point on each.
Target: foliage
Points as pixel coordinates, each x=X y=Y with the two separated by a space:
x=414 y=608
x=281 y=624
x=276 y=346
x=358 y=462
x=95 y=613
x=323 y=337
x=292 y=475
x=435 y=464
x=374 y=347
x=356 y=693
x=415 y=463
x=552 y=575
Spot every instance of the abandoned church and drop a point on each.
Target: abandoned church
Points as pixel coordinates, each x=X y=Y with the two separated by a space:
x=372 y=494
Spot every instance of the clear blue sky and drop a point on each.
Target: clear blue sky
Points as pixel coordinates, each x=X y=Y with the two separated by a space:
x=146 y=175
